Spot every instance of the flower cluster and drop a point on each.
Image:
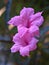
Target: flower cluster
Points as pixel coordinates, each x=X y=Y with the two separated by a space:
x=27 y=24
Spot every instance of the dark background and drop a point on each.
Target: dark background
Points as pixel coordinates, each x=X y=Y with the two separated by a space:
x=37 y=57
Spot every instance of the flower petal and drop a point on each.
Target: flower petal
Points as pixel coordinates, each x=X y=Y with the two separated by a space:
x=25 y=14
x=16 y=20
x=32 y=44
x=24 y=51
x=35 y=16
x=18 y=40
x=15 y=48
x=27 y=11
x=22 y=30
x=38 y=21
x=34 y=30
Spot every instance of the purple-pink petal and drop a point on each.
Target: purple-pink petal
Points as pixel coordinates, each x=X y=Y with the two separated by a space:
x=24 y=51
x=15 y=48
x=38 y=21
x=34 y=16
x=16 y=38
x=19 y=40
x=25 y=14
x=27 y=11
x=32 y=44
x=16 y=20
x=33 y=29
x=22 y=30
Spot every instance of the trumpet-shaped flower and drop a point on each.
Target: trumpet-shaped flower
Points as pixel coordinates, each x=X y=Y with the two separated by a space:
x=24 y=45
x=28 y=24
x=27 y=18
x=27 y=21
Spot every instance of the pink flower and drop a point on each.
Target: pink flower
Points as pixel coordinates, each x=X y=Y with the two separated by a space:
x=28 y=24
x=22 y=18
x=27 y=18
x=24 y=45
x=27 y=21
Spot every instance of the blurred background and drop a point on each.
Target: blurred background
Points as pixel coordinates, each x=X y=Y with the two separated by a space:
x=10 y=8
